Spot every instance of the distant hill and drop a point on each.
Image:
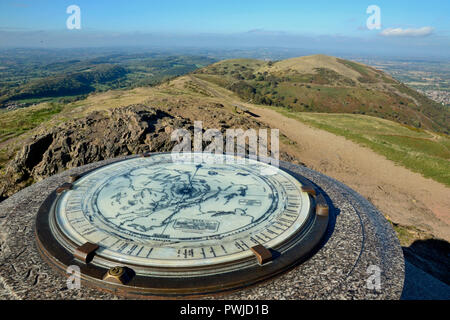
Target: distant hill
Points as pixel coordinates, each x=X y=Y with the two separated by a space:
x=326 y=87
x=67 y=84
x=327 y=84
x=26 y=81
x=41 y=140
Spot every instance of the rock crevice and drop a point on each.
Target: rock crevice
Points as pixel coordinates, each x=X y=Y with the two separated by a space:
x=124 y=131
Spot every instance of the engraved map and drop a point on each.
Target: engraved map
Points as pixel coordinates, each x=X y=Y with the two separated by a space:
x=155 y=208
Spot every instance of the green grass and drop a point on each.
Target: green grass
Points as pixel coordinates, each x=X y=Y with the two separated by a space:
x=415 y=149
x=407 y=235
x=220 y=81
x=15 y=123
x=326 y=90
x=355 y=66
x=4 y=157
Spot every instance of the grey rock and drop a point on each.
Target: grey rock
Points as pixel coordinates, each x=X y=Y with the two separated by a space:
x=125 y=131
x=104 y=135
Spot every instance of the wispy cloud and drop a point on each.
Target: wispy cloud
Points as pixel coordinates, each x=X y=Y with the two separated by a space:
x=400 y=32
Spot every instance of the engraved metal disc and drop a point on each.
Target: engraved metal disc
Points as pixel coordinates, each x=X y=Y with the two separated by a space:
x=184 y=224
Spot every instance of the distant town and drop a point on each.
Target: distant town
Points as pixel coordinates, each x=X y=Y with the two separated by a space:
x=431 y=78
x=438 y=96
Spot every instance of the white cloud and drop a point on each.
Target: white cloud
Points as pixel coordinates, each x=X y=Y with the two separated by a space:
x=400 y=32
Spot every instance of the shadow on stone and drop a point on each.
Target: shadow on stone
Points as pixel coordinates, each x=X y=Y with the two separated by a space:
x=333 y=214
x=432 y=256
x=427 y=270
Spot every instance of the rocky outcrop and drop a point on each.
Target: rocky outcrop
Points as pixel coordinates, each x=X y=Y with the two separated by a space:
x=103 y=135
x=124 y=131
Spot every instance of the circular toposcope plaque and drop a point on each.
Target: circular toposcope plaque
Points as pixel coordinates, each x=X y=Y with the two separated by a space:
x=184 y=225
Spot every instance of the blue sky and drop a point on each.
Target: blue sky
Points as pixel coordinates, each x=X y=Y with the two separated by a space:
x=409 y=25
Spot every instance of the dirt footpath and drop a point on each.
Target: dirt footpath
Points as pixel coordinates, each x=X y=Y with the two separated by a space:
x=403 y=196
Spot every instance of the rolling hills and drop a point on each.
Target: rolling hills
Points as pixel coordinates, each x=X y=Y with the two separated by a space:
x=51 y=77
x=71 y=84
x=337 y=91
x=344 y=119
x=411 y=130
x=327 y=84
x=349 y=121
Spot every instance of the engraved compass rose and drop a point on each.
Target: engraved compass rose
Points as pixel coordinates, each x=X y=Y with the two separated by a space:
x=179 y=228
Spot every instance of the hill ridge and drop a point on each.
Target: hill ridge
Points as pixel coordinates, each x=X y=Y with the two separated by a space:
x=321 y=83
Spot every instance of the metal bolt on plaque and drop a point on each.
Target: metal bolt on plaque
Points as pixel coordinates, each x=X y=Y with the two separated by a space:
x=118 y=275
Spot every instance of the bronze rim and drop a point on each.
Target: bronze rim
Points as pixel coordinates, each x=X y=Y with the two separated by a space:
x=293 y=252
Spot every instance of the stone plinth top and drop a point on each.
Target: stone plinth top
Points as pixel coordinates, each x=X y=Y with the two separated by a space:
x=359 y=243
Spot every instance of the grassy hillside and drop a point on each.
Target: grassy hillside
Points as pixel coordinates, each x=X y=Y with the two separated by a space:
x=14 y=123
x=67 y=84
x=327 y=84
x=27 y=82
x=419 y=150
x=415 y=148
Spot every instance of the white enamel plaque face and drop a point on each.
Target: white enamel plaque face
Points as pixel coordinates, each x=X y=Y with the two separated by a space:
x=159 y=212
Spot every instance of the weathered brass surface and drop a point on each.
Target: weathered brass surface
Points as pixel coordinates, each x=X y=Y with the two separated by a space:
x=118 y=275
x=86 y=252
x=64 y=187
x=309 y=189
x=321 y=206
x=262 y=254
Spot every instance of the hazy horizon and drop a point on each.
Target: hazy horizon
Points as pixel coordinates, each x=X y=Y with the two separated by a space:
x=407 y=28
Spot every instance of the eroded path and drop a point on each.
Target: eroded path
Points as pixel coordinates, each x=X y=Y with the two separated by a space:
x=405 y=197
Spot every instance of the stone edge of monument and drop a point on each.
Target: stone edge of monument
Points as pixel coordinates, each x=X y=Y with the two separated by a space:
x=359 y=241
